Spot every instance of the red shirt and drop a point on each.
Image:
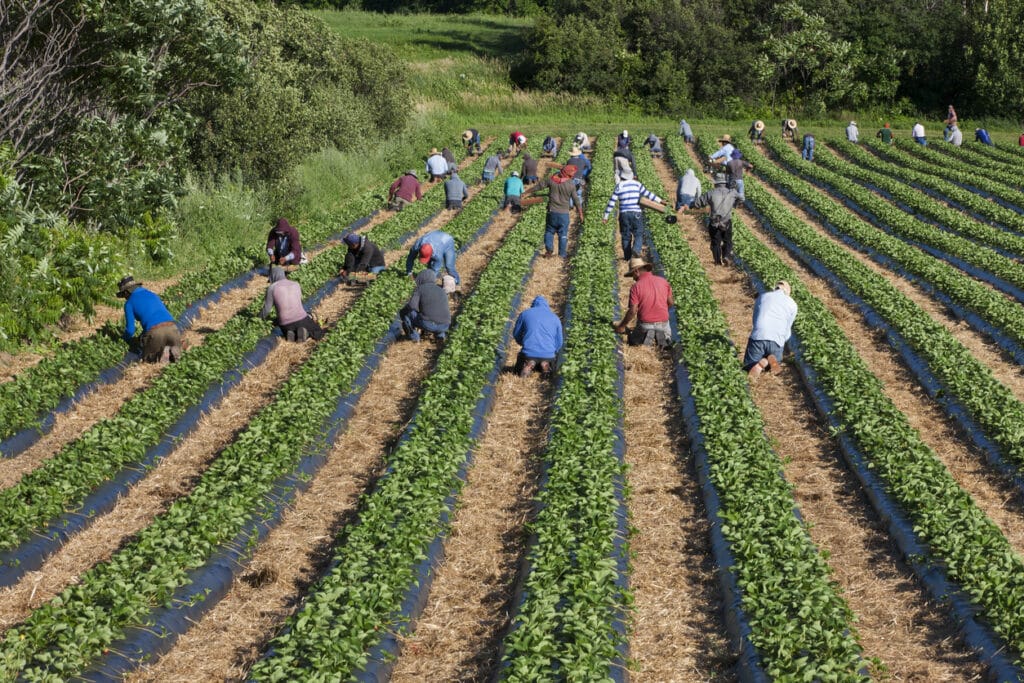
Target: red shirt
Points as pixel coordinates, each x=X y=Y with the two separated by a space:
x=406 y=187
x=649 y=295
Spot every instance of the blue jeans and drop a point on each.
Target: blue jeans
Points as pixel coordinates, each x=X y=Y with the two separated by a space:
x=808 y=151
x=921 y=141
x=758 y=349
x=631 y=229
x=377 y=269
x=557 y=223
x=412 y=322
x=738 y=182
x=487 y=176
x=684 y=200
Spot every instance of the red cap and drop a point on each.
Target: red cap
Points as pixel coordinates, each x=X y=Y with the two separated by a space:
x=426 y=251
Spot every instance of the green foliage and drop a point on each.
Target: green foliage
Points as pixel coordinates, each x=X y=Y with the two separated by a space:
x=998 y=50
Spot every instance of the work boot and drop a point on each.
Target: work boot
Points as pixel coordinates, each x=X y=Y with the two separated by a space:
x=758 y=368
x=303 y=334
x=773 y=363
x=528 y=367
x=290 y=336
x=165 y=356
x=545 y=369
x=175 y=354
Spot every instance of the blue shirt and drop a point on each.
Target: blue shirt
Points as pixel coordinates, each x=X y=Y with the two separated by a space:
x=582 y=165
x=443 y=256
x=981 y=135
x=436 y=165
x=724 y=152
x=774 y=314
x=146 y=307
x=538 y=330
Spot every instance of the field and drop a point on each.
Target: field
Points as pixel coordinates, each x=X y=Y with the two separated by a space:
x=368 y=508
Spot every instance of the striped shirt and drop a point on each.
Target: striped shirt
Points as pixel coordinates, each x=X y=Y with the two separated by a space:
x=627 y=193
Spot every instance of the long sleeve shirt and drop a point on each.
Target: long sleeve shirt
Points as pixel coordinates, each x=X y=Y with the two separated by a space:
x=436 y=165
x=443 y=257
x=493 y=164
x=455 y=189
x=562 y=197
x=146 y=307
x=361 y=260
x=538 y=330
x=721 y=199
x=981 y=135
x=689 y=184
x=429 y=300
x=627 y=193
x=284 y=241
x=852 y=133
x=917 y=131
x=774 y=313
x=684 y=129
x=582 y=164
x=513 y=186
x=406 y=187
x=724 y=152
x=286 y=297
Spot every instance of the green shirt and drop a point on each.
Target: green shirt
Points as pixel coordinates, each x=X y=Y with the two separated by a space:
x=886 y=135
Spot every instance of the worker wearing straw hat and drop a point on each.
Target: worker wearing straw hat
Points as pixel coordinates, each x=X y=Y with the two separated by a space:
x=756 y=131
x=774 y=313
x=852 y=132
x=724 y=153
x=471 y=139
x=437 y=167
x=721 y=200
x=650 y=297
x=789 y=129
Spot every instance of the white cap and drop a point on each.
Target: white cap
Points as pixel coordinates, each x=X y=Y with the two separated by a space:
x=625 y=133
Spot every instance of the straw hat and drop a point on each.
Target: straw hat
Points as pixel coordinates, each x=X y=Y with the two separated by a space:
x=784 y=286
x=853 y=123
x=467 y=136
x=758 y=125
x=575 y=151
x=433 y=151
x=637 y=263
x=725 y=138
x=790 y=123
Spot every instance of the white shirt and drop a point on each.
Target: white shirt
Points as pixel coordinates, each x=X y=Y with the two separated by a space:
x=774 y=314
x=917 y=131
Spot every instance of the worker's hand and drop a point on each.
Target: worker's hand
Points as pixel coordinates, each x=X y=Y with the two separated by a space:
x=604 y=220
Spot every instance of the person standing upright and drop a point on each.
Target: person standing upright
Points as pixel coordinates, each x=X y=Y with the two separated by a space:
x=627 y=194
x=852 y=133
x=562 y=197
x=721 y=200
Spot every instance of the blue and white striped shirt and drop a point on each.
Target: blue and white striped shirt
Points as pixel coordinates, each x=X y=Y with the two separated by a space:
x=627 y=193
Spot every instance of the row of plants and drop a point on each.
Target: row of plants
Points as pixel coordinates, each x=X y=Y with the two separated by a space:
x=392 y=549
x=989 y=403
x=998 y=169
x=567 y=621
x=1014 y=156
x=919 y=203
x=987 y=176
x=799 y=624
x=894 y=221
x=63 y=480
x=900 y=165
x=81 y=624
x=956 y=538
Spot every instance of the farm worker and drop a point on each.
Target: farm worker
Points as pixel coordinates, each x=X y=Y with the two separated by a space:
x=650 y=297
x=885 y=134
x=492 y=168
x=951 y=119
x=437 y=167
x=807 y=151
x=471 y=139
x=981 y=135
x=539 y=331
x=363 y=256
x=956 y=136
x=427 y=309
x=852 y=132
x=513 y=193
x=455 y=191
x=622 y=140
x=404 y=191
x=654 y=143
x=917 y=132
x=449 y=158
x=685 y=131
x=627 y=194
x=583 y=141
x=723 y=153
x=687 y=189
x=436 y=250
x=286 y=296
x=722 y=199
x=789 y=129
x=736 y=167
x=756 y=131
x=516 y=142
x=529 y=171
x=550 y=146
x=581 y=162
x=774 y=313
x=1020 y=140
x=622 y=161
x=283 y=245
x=160 y=339
x=562 y=196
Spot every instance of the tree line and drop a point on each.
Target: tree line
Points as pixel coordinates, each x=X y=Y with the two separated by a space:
x=800 y=57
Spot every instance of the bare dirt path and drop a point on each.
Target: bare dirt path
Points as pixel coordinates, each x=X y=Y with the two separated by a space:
x=912 y=637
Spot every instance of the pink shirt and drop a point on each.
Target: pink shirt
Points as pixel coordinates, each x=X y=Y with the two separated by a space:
x=287 y=298
x=649 y=295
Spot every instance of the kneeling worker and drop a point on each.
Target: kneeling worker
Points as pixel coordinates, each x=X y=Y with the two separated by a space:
x=160 y=340
x=539 y=331
x=286 y=296
x=427 y=310
x=774 y=314
x=363 y=256
x=650 y=297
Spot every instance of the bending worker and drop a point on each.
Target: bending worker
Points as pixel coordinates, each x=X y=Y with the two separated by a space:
x=404 y=191
x=160 y=339
x=650 y=297
x=471 y=138
x=426 y=311
x=722 y=199
x=436 y=250
x=774 y=314
x=539 y=331
x=283 y=245
x=286 y=296
x=363 y=256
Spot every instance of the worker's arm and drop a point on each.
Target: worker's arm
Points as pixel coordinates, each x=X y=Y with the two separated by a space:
x=129 y=321
x=626 y=319
x=414 y=251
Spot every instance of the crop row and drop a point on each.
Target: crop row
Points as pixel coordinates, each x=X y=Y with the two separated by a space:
x=390 y=550
x=155 y=567
x=802 y=629
x=1013 y=155
x=63 y=480
x=919 y=203
x=989 y=403
x=986 y=182
x=901 y=165
x=956 y=537
x=993 y=167
x=885 y=215
x=573 y=597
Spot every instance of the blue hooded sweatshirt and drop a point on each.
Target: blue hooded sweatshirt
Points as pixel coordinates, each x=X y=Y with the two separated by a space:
x=539 y=330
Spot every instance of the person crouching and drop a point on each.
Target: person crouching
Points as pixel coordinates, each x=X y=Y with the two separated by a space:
x=285 y=296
